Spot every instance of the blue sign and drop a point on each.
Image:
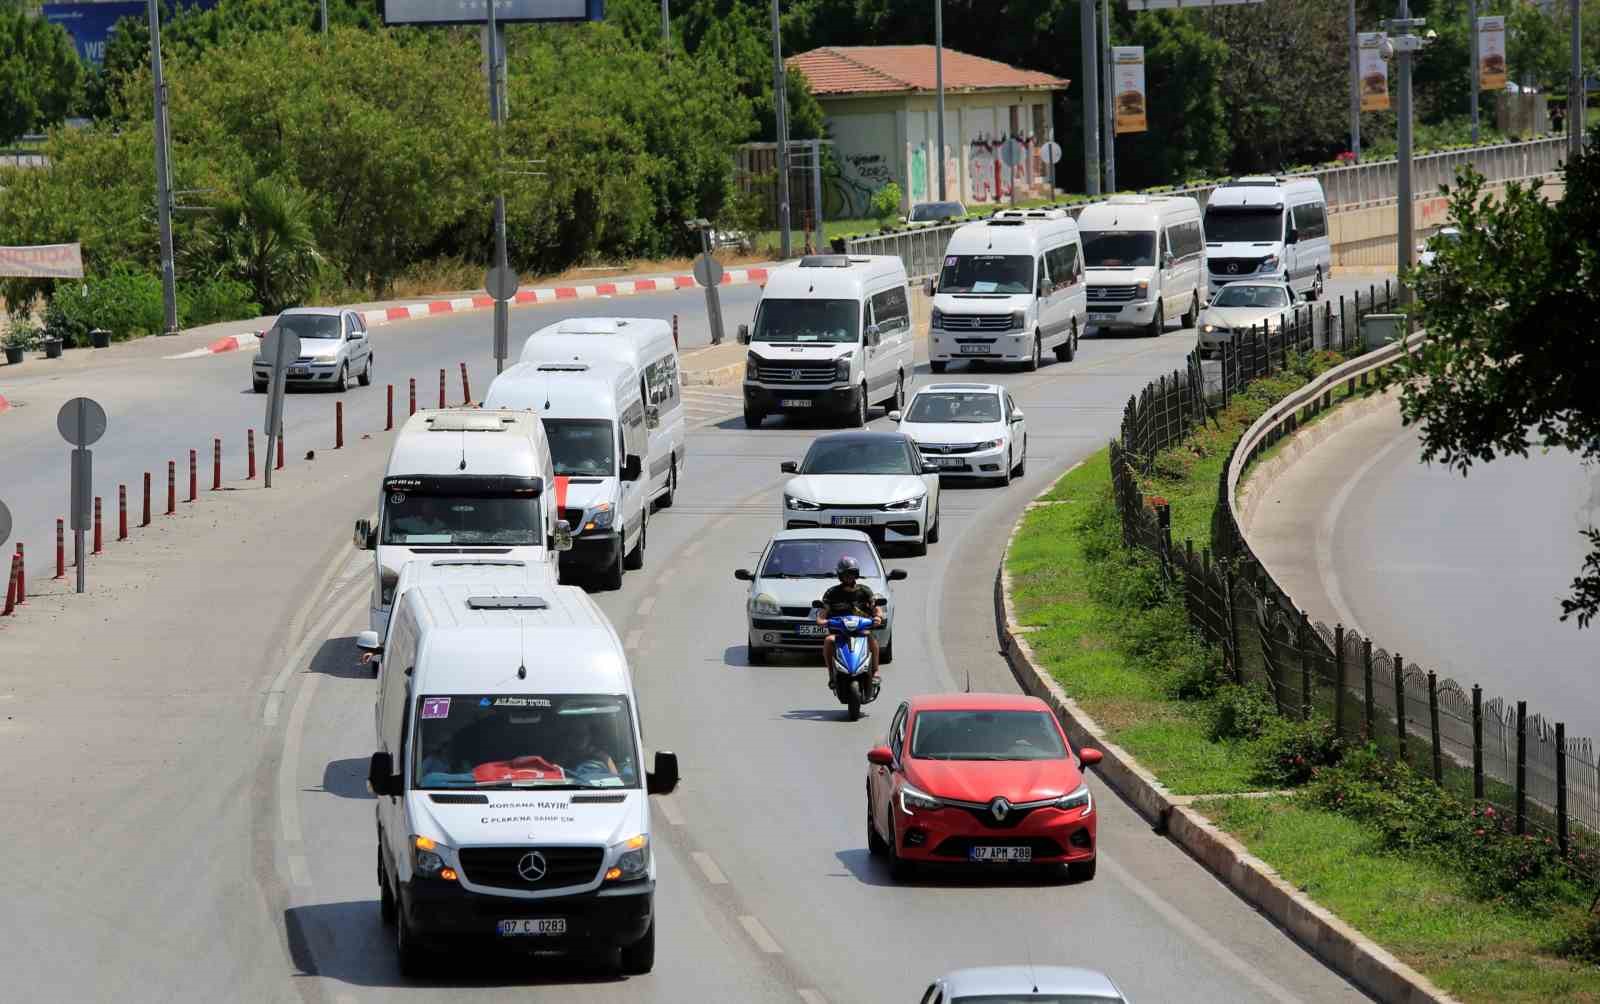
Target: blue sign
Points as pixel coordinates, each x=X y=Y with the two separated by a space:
x=90 y=24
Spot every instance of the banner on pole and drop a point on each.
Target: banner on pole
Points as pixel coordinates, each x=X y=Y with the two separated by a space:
x=1374 y=72
x=1127 y=62
x=43 y=261
x=1491 y=53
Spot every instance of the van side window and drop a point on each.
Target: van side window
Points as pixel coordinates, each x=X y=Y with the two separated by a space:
x=1311 y=219
x=1063 y=263
x=890 y=310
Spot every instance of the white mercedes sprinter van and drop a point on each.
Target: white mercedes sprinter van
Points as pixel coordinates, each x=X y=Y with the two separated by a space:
x=1011 y=287
x=646 y=344
x=1147 y=262
x=1269 y=228
x=832 y=334
x=594 y=420
x=462 y=483
x=511 y=791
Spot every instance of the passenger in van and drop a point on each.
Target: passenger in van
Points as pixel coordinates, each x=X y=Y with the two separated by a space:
x=585 y=747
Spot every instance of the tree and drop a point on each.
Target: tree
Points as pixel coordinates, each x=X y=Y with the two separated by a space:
x=263 y=238
x=40 y=75
x=1187 y=136
x=1512 y=357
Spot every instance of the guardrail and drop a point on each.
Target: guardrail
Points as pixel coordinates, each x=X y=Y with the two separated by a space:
x=1354 y=187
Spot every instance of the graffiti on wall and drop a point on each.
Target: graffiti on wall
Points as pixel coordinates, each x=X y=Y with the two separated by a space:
x=919 y=174
x=990 y=179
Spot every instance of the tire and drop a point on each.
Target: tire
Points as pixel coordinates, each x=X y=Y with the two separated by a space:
x=413 y=958
x=1158 y=323
x=611 y=577
x=933 y=531
x=755 y=655
x=876 y=845
x=852 y=701
x=1315 y=292
x=388 y=909
x=341 y=383
x=1022 y=465
x=1192 y=316
x=1066 y=351
x=899 y=868
x=938 y=366
x=885 y=655
x=260 y=388
x=1005 y=475
x=1034 y=361
x=672 y=486
x=365 y=379
x=640 y=957
x=634 y=559
x=858 y=418
x=1081 y=871
x=898 y=402
x=753 y=419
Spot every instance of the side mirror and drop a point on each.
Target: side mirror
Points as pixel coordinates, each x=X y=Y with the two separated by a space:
x=789 y=467
x=632 y=467
x=880 y=601
x=894 y=416
x=743 y=575
x=879 y=756
x=928 y=288
x=363 y=535
x=744 y=334
x=664 y=778
x=368 y=641
x=898 y=575
x=1421 y=248
x=874 y=334
x=904 y=220
x=563 y=535
x=652 y=417
x=1294 y=236
x=1090 y=757
x=816 y=604
x=1016 y=416
x=929 y=469
x=381 y=778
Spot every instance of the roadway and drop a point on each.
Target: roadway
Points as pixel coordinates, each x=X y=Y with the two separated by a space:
x=766 y=890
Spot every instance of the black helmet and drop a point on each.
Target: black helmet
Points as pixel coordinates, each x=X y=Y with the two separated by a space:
x=847 y=566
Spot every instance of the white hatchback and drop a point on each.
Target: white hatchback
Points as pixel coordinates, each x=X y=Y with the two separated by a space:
x=875 y=482
x=967 y=430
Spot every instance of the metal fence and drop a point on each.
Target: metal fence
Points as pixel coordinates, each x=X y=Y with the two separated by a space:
x=1486 y=749
x=1354 y=187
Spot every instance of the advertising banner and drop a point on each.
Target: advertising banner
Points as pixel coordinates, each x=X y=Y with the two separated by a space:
x=90 y=24
x=1127 y=63
x=1492 y=53
x=43 y=261
x=1374 y=73
x=477 y=11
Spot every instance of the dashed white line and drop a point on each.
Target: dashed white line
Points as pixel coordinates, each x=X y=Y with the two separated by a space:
x=299 y=871
x=759 y=935
x=646 y=605
x=670 y=810
x=709 y=868
x=811 y=996
x=288 y=789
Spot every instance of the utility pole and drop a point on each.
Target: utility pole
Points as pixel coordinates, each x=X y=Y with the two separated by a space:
x=938 y=83
x=1091 y=98
x=1402 y=43
x=779 y=105
x=1576 y=95
x=324 y=17
x=1355 y=84
x=666 y=24
x=169 y=280
x=502 y=309
x=1473 y=57
x=1109 y=87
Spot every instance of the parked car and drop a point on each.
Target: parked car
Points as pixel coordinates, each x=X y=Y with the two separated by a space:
x=1429 y=249
x=1241 y=306
x=875 y=482
x=931 y=214
x=1020 y=984
x=334 y=346
x=967 y=430
x=797 y=567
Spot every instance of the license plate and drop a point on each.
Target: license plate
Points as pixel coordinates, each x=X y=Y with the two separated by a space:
x=810 y=630
x=546 y=926
x=945 y=461
x=1023 y=854
x=852 y=521
x=795 y=402
x=975 y=350
x=1103 y=317
x=299 y=371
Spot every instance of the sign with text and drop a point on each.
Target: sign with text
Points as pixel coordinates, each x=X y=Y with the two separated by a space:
x=1374 y=72
x=1492 y=53
x=1127 y=67
x=90 y=24
x=43 y=261
x=477 y=11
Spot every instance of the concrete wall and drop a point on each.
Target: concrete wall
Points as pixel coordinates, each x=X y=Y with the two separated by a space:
x=1366 y=238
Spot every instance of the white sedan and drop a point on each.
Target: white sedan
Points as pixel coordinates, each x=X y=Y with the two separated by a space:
x=875 y=482
x=1240 y=307
x=334 y=346
x=1428 y=251
x=970 y=430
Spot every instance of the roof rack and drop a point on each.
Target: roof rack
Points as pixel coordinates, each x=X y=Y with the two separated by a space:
x=1016 y=217
x=562 y=367
x=451 y=562
x=455 y=421
x=1253 y=181
x=507 y=603
x=825 y=261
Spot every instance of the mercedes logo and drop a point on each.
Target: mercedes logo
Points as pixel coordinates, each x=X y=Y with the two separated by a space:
x=999 y=808
x=532 y=866
x=1233 y=267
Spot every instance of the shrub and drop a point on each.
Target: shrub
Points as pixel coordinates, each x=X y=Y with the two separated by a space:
x=213 y=300
x=1289 y=753
x=128 y=304
x=1241 y=712
x=22 y=333
x=886 y=202
x=1583 y=944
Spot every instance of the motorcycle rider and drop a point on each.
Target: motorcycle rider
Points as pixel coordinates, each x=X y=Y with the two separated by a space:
x=848 y=598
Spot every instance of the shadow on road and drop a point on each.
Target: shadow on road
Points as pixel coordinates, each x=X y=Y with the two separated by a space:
x=867 y=870
x=339 y=657
x=346 y=778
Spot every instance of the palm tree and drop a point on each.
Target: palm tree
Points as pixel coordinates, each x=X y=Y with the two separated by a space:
x=264 y=239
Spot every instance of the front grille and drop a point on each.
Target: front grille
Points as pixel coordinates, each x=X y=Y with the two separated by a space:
x=975 y=322
x=984 y=816
x=795 y=373
x=797 y=611
x=942 y=449
x=961 y=847
x=564 y=866
x=1233 y=266
x=1113 y=294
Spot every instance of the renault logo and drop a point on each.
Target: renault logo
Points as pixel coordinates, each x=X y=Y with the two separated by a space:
x=999 y=808
x=1233 y=267
x=532 y=867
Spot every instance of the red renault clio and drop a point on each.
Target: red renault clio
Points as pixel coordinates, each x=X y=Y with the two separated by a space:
x=988 y=779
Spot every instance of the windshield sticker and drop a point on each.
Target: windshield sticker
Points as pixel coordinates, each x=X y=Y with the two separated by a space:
x=519 y=702
x=397 y=498
x=983 y=286
x=436 y=707
x=951 y=260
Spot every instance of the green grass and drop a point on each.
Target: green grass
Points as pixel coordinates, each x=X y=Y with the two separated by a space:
x=830 y=230
x=1416 y=907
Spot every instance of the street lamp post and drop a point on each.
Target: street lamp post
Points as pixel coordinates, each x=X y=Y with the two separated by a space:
x=1091 y=98
x=779 y=101
x=1576 y=95
x=502 y=310
x=169 y=279
x=1401 y=45
x=1473 y=57
x=1355 y=84
x=1108 y=98
x=938 y=83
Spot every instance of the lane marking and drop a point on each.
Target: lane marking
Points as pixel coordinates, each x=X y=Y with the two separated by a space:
x=709 y=868
x=288 y=790
x=1328 y=524
x=811 y=996
x=759 y=935
x=315 y=635
x=299 y=871
x=669 y=809
x=345 y=999
x=646 y=605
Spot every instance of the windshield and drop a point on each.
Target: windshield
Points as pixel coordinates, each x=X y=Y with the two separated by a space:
x=817 y=559
x=986 y=735
x=1236 y=295
x=582 y=447
x=987 y=273
x=454 y=519
x=309 y=325
x=524 y=741
x=953 y=407
x=1256 y=226
x=1118 y=248
x=807 y=321
x=858 y=456
x=935 y=211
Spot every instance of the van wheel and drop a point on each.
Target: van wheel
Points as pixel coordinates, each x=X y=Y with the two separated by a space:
x=1158 y=323
x=898 y=402
x=672 y=485
x=859 y=419
x=886 y=655
x=1193 y=315
x=755 y=655
x=412 y=956
x=753 y=419
x=640 y=957
x=634 y=559
x=1315 y=292
x=1069 y=348
x=388 y=909
x=936 y=366
x=611 y=577
x=1032 y=365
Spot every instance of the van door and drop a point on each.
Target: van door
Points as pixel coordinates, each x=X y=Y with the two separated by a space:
x=634 y=439
x=663 y=422
x=890 y=310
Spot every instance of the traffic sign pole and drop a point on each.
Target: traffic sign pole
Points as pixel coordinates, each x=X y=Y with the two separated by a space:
x=708 y=272
x=281 y=348
x=81 y=422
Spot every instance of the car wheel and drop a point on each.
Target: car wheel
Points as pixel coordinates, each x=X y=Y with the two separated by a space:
x=388 y=909
x=753 y=419
x=876 y=846
x=933 y=531
x=412 y=956
x=611 y=577
x=672 y=486
x=1005 y=473
x=755 y=655
x=1158 y=323
x=341 y=383
x=365 y=379
x=1069 y=348
x=938 y=366
x=1081 y=871
x=1034 y=361
x=634 y=559
x=1022 y=465
x=859 y=419
x=1193 y=313
x=260 y=388
x=1315 y=292
x=886 y=654
x=899 y=868
x=640 y=957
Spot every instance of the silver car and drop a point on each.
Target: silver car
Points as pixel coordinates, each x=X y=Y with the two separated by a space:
x=334 y=346
x=796 y=568
x=1044 y=984
x=1240 y=307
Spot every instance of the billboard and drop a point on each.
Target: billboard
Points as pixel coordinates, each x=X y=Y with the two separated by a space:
x=43 y=261
x=477 y=11
x=1492 y=53
x=1374 y=71
x=1127 y=67
x=90 y=24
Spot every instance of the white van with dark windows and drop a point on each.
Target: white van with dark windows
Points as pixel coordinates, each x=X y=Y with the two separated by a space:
x=512 y=805
x=1269 y=228
x=832 y=333
x=646 y=344
x=1011 y=288
x=594 y=421
x=463 y=483
x=1146 y=257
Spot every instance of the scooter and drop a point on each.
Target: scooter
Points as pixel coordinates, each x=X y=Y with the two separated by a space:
x=853 y=681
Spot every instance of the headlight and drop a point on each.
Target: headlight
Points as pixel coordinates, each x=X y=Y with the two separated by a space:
x=1268 y=264
x=751 y=362
x=913 y=800
x=1208 y=328
x=600 y=517
x=633 y=862
x=1079 y=799
x=1143 y=289
x=841 y=367
x=1019 y=320
x=906 y=505
x=936 y=320
x=765 y=603
x=993 y=444
x=793 y=502
x=427 y=859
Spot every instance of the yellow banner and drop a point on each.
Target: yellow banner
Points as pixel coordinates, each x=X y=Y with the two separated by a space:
x=1128 y=75
x=1374 y=73
x=1492 y=53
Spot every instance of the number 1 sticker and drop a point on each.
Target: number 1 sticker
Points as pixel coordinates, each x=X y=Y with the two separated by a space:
x=436 y=707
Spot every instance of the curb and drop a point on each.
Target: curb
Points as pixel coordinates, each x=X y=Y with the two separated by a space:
x=1344 y=949
x=719 y=377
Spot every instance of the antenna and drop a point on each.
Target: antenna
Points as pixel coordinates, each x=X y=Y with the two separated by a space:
x=968 y=690
x=1027 y=949
x=463 y=450
x=522 y=647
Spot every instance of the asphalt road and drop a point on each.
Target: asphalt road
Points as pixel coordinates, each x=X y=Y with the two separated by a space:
x=241 y=817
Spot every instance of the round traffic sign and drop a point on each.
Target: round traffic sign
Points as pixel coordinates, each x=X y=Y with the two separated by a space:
x=1011 y=153
x=501 y=282
x=270 y=351
x=1051 y=152
x=5 y=523
x=707 y=271
x=81 y=421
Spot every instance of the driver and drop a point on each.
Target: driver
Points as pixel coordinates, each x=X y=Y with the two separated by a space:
x=848 y=597
x=585 y=747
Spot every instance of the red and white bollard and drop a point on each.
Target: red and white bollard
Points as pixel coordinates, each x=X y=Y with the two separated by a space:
x=11 y=590
x=280 y=453
x=172 y=487
x=250 y=446
x=22 y=575
x=194 y=476
x=61 y=548
x=466 y=388
x=216 y=464
x=338 y=425
x=98 y=540
x=674 y=330
x=122 y=512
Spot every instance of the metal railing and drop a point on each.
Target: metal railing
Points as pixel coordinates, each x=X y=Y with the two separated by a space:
x=1354 y=187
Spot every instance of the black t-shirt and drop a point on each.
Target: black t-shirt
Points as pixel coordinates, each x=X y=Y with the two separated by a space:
x=842 y=600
